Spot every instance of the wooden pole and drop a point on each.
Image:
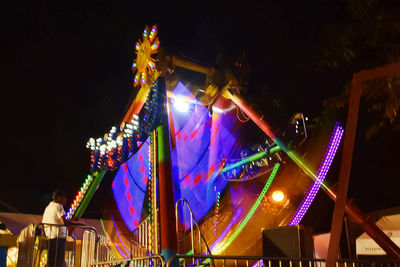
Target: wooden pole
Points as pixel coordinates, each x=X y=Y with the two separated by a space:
x=350 y=208
x=349 y=137
x=345 y=167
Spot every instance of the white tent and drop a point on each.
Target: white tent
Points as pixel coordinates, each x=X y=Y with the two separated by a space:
x=390 y=225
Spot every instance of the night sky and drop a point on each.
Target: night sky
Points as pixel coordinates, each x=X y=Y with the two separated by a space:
x=66 y=77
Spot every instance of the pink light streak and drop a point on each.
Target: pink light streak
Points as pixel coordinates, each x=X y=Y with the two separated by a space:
x=119 y=237
x=228 y=227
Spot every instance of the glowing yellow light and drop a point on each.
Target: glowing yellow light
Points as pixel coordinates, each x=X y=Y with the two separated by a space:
x=145 y=64
x=278 y=196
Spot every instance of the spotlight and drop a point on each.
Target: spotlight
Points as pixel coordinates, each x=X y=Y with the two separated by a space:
x=278 y=196
x=180 y=105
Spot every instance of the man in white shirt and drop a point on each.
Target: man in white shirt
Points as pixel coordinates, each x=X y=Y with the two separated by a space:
x=55 y=229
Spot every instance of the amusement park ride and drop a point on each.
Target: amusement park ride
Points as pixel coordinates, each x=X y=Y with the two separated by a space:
x=182 y=142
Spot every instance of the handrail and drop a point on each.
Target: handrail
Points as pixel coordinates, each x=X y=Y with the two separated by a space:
x=42 y=226
x=108 y=250
x=74 y=250
x=66 y=226
x=134 y=259
x=89 y=230
x=258 y=261
x=142 y=239
x=191 y=225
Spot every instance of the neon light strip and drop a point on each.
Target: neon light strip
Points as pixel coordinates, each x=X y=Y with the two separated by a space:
x=322 y=171
x=266 y=129
x=244 y=161
x=115 y=249
x=217 y=212
x=228 y=227
x=80 y=209
x=150 y=189
x=249 y=159
x=219 y=249
x=79 y=196
x=119 y=237
x=258 y=263
x=222 y=235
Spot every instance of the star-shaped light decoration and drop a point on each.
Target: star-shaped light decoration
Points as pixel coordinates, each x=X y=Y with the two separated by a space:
x=145 y=64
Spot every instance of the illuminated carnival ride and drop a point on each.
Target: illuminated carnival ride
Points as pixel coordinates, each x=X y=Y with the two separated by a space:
x=234 y=185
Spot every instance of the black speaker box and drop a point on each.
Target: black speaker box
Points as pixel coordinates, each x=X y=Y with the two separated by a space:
x=288 y=242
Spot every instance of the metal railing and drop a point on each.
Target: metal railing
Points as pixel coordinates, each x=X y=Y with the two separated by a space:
x=385 y=263
x=71 y=252
x=141 y=239
x=255 y=261
x=147 y=261
x=53 y=240
x=94 y=248
x=103 y=251
x=199 y=249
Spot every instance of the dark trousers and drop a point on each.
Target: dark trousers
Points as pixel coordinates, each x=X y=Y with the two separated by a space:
x=56 y=253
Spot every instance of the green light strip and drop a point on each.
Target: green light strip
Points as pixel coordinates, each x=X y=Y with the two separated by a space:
x=266 y=129
x=251 y=158
x=244 y=161
x=307 y=170
x=292 y=155
x=218 y=250
x=112 y=247
x=98 y=176
x=275 y=149
x=190 y=252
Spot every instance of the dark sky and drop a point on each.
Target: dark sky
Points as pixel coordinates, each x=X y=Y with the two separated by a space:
x=66 y=77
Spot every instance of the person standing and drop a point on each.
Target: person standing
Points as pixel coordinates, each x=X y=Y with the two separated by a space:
x=55 y=228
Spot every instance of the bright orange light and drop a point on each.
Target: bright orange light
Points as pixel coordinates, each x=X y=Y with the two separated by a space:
x=278 y=196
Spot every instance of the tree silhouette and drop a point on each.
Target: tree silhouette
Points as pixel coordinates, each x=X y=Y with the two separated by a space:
x=368 y=36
